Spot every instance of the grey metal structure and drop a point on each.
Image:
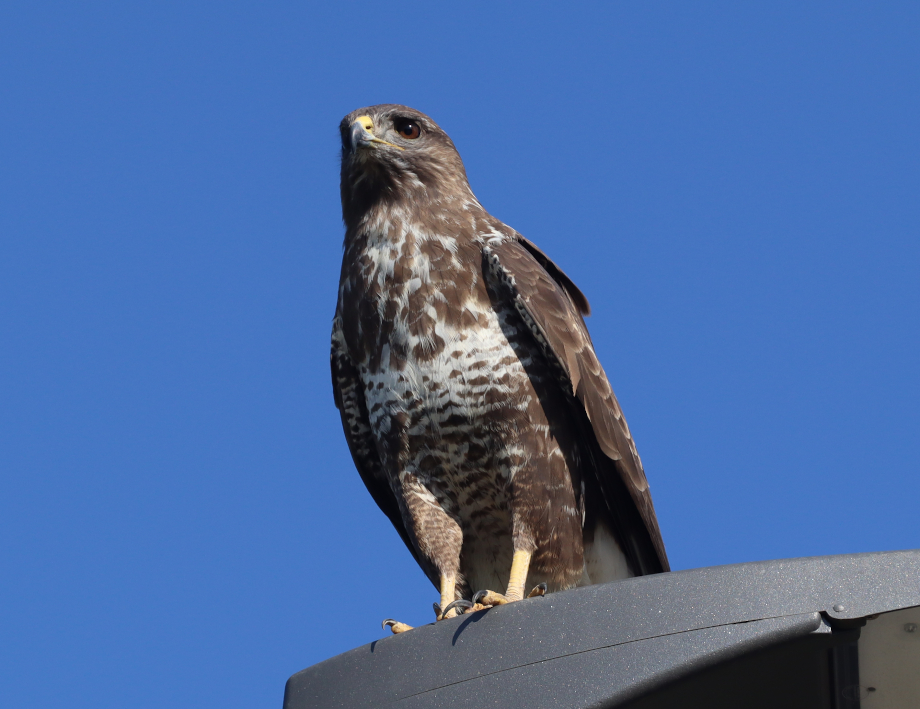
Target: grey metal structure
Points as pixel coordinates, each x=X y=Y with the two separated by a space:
x=836 y=632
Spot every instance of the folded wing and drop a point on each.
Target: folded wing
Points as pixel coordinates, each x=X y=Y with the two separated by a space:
x=552 y=307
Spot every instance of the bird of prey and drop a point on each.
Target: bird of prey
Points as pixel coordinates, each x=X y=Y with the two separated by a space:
x=474 y=406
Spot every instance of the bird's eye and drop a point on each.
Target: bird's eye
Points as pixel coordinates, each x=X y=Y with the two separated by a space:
x=408 y=129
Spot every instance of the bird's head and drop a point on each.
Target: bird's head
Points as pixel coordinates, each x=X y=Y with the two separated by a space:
x=392 y=153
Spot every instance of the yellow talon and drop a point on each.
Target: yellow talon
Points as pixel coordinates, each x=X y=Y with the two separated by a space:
x=538 y=590
x=395 y=626
x=520 y=565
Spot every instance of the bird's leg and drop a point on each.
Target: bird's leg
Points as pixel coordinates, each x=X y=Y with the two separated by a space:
x=449 y=601
x=520 y=565
x=448 y=594
x=438 y=539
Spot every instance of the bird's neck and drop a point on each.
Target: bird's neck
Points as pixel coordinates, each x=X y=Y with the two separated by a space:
x=385 y=198
x=418 y=217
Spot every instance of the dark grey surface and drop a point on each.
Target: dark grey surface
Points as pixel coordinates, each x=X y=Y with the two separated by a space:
x=601 y=645
x=584 y=680
x=796 y=674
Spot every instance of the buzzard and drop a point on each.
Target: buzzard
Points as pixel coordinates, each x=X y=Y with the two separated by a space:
x=475 y=408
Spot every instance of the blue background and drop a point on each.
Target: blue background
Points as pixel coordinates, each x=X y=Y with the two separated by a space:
x=733 y=185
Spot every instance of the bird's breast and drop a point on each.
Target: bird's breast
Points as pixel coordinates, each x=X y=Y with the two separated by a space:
x=446 y=375
x=417 y=295
x=441 y=365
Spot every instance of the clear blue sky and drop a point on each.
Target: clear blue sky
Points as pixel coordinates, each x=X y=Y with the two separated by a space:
x=733 y=185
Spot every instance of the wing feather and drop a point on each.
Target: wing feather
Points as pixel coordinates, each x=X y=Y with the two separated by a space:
x=552 y=307
x=349 y=399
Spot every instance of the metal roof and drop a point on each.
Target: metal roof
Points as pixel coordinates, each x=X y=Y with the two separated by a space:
x=789 y=633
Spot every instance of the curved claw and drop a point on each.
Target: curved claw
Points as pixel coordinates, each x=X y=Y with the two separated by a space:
x=459 y=603
x=538 y=590
x=490 y=598
x=395 y=626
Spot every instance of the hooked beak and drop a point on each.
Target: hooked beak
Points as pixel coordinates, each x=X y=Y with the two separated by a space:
x=362 y=134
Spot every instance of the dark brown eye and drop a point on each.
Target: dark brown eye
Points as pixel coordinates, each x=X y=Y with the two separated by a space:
x=408 y=129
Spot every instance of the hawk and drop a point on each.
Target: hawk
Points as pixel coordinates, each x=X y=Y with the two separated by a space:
x=474 y=406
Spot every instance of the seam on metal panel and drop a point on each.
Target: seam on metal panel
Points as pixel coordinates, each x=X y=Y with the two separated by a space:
x=599 y=647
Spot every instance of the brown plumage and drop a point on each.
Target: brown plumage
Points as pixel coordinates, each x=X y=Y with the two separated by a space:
x=473 y=403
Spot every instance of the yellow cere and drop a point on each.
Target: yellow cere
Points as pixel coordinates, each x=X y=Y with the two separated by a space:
x=367 y=124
